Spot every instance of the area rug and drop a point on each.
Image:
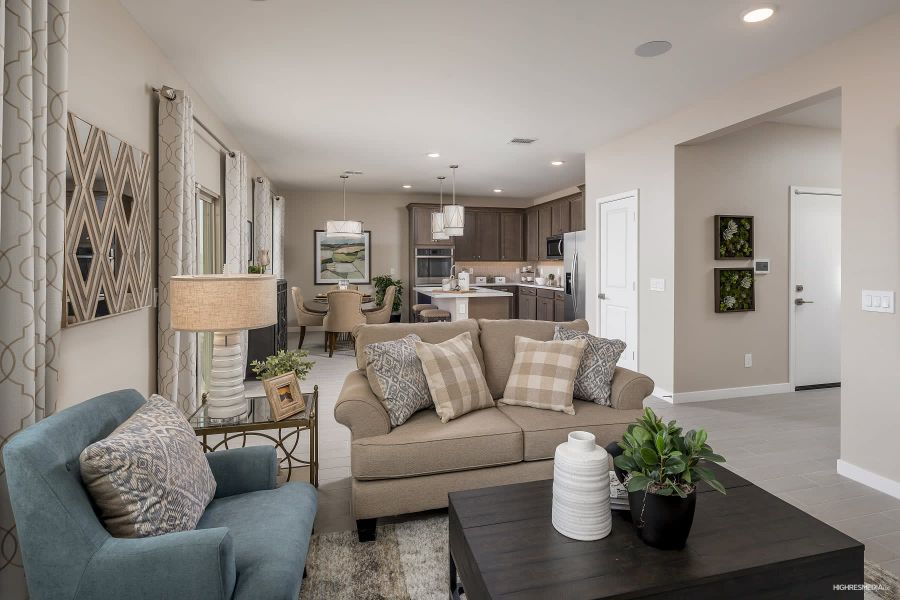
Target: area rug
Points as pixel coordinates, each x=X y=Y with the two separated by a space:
x=408 y=561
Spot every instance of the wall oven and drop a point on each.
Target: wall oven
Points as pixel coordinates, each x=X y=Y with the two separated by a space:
x=433 y=265
x=555 y=247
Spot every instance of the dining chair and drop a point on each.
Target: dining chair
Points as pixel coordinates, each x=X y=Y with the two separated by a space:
x=307 y=316
x=382 y=314
x=344 y=313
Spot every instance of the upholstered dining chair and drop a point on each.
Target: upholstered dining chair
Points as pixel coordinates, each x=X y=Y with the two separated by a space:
x=344 y=313
x=382 y=314
x=307 y=316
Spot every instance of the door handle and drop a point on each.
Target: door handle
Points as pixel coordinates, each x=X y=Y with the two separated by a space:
x=602 y=296
x=575 y=279
x=801 y=301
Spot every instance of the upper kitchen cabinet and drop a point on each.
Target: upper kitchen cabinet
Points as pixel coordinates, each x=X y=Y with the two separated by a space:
x=420 y=226
x=576 y=212
x=545 y=228
x=465 y=246
x=559 y=217
x=487 y=230
x=532 y=235
x=512 y=236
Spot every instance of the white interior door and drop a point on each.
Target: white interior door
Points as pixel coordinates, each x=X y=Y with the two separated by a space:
x=815 y=291
x=618 y=253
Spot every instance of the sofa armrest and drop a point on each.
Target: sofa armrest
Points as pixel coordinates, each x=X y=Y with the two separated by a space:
x=629 y=389
x=242 y=470
x=196 y=564
x=359 y=409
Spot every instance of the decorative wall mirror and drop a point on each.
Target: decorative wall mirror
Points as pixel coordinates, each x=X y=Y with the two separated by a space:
x=107 y=251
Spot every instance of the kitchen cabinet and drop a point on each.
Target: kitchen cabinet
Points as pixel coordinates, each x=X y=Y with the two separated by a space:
x=545 y=224
x=559 y=217
x=532 y=237
x=420 y=225
x=576 y=213
x=559 y=307
x=512 y=236
x=465 y=246
x=527 y=304
x=487 y=235
x=544 y=311
x=514 y=301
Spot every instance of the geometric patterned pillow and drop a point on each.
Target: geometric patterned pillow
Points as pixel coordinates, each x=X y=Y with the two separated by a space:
x=149 y=477
x=395 y=375
x=598 y=365
x=543 y=374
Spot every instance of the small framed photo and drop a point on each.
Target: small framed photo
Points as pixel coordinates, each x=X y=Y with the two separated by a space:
x=283 y=393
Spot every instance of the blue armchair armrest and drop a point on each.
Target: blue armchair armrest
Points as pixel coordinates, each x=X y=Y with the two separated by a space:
x=242 y=470
x=195 y=564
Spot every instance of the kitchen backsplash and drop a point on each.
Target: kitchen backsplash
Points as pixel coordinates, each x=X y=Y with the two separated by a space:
x=511 y=270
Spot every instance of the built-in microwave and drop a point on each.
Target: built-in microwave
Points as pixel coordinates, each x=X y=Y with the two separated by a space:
x=555 y=247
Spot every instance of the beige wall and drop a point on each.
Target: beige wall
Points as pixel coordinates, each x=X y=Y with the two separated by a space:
x=743 y=173
x=385 y=215
x=112 y=65
x=864 y=66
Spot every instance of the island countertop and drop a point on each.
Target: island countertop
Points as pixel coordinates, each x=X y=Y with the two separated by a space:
x=479 y=292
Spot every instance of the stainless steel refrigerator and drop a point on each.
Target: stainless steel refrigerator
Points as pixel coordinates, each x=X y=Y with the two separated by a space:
x=574 y=245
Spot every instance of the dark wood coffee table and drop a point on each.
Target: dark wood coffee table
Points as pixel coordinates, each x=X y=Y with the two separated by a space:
x=748 y=544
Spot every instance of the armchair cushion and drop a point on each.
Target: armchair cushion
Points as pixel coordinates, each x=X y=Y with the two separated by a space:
x=271 y=531
x=242 y=470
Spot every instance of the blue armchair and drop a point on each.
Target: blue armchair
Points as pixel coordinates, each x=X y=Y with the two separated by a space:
x=250 y=543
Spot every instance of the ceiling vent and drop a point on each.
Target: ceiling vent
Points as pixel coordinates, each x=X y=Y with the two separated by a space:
x=522 y=141
x=353 y=172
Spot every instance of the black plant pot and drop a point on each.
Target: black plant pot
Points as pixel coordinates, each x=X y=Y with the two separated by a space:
x=663 y=522
x=613 y=450
x=395 y=317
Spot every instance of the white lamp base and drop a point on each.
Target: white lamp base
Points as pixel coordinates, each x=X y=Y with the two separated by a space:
x=225 y=397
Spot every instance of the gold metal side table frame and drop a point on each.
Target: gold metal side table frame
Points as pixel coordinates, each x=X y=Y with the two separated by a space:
x=285 y=434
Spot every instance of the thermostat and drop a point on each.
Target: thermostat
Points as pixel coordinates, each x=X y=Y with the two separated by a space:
x=761 y=266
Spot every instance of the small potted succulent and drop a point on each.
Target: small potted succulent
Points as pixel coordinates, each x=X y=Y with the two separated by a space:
x=662 y=468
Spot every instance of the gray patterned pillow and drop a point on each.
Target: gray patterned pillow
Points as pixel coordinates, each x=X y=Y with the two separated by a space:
x=149 y=476
x=395 y=374
x=598 y=365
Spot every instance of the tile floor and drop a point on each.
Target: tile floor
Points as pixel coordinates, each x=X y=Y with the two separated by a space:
x=787 y=444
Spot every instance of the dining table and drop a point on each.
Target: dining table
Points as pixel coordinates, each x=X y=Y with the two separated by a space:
x=322 y=301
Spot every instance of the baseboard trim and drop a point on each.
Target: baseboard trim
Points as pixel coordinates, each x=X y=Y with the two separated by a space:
x=868 y=478
x=737 y=392
x=662 y=394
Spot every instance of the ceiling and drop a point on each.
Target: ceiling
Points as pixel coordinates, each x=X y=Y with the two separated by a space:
x=313 y=88
x=825 y=114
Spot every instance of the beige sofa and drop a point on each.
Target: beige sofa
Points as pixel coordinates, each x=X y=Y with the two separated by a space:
x=412 y=467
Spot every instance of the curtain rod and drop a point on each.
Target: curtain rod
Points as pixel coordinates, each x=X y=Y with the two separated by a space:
x=169 y=94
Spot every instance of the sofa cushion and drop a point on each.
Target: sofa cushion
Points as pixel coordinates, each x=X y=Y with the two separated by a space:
x=423 y=446
x=149 y=476
x=395 y=374
x=432 y=333
x=598 y=364
x=545 y=430
x=454 y=377
x=498 y=342
x=543 y=374
x=270 y=530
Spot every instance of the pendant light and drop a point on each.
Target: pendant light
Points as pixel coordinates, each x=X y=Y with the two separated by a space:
x=437 y=218
x=454 y=215
x=344 y=228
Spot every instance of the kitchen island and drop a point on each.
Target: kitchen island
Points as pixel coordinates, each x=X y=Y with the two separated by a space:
x=477 y=303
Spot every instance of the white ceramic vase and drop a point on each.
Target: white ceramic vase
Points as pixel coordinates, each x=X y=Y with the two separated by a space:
x=581 y=488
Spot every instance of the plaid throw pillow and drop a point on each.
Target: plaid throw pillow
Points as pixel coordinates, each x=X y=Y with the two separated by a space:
x=598 y=365
x=454 y=377
x=543 y=374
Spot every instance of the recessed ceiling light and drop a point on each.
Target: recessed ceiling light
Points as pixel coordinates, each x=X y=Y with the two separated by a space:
x=654 y=48
x=556 y=163
x=406 y=186
x=757 y=15
x=433 y=155
x=497 y=190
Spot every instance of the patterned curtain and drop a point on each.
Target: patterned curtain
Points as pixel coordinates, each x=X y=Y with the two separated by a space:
x=278 y=236
x=34 y=46
x=177 y=365
x=236 y=213
x=262 y=218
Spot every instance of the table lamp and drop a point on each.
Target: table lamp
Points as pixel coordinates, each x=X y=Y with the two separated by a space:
x=224 y=305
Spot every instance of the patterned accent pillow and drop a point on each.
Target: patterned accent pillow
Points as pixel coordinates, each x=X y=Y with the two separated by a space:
x=396 y=376
x=543 y=374
x=598 y=365
x=149 y=477
x=454 y=377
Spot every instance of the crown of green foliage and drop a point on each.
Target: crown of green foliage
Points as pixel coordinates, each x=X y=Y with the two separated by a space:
x=283 y=362
x=382 y=283
x=660 y=460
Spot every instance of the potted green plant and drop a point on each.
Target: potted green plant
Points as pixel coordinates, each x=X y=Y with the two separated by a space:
x=663 y=467
x=283 y=362
x=381 y=284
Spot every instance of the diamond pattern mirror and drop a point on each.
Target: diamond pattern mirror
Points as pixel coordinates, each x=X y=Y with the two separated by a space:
x=107 y=253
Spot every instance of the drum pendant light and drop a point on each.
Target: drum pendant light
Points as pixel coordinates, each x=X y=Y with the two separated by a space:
x=344 y=228
x=454 y=215
x=437 y=218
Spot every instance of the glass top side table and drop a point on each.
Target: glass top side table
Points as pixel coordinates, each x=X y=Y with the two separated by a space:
x=257 y=422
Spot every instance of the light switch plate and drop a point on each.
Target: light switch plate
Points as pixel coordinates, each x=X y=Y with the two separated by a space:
x=657 y=284
x=878 y=301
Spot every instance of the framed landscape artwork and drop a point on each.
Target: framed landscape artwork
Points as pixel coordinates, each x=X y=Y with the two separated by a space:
x=339 y=258
x=735 y=290
x=734 y=237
